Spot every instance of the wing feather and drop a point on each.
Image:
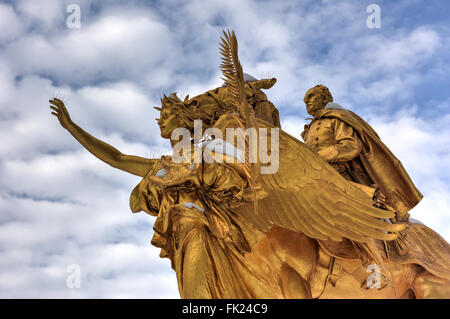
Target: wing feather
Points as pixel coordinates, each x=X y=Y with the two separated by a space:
x=324 y=223
x=307 y=195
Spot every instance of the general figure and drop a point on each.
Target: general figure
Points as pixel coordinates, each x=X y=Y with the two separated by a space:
x=355 y=150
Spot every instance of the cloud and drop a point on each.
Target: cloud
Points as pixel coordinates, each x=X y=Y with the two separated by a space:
x=102 y=49
x=45 y=13
x=60 y=218
x=9 y=24
x=59 y=205
x=403 y=51
x=422 y=147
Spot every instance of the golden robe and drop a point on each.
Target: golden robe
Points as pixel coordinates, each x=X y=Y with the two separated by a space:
x=197 y=229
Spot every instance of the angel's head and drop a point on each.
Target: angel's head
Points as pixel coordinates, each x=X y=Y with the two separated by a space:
x=317 y=98
x=181 y=114
x=207 y=107
x=168 y=121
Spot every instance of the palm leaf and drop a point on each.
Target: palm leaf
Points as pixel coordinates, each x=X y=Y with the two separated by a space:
x=234 y=79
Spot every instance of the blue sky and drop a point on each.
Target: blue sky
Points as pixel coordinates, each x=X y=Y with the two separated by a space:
x=59 y=205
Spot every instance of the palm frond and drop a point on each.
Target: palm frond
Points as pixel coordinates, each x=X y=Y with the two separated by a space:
x=234 y=80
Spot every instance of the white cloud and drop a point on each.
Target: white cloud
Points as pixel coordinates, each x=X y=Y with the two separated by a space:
x=59 y=205
x=76 y=215
x=97 y=51
x=45 y=12
x=6 y=85
x=124 y=101
x=10 y=23
x=402 y=51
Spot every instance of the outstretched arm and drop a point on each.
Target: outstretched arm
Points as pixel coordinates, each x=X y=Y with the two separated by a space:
x=105 y=152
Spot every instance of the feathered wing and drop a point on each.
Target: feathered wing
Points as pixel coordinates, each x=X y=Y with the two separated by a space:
x=307 y=195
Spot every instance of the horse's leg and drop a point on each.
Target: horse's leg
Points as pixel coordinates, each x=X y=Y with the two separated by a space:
x=287 y=268
x=429 y=286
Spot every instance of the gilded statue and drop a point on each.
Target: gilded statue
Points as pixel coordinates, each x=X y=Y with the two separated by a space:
x=354 y=149
x=232 y=228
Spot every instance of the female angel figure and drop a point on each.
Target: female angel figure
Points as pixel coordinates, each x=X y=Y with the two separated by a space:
x=230 y=232
x=195 y=226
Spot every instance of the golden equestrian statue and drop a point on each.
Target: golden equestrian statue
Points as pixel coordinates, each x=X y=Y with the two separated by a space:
x=327 y=218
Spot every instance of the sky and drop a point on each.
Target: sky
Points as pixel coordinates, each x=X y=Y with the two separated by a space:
x=61 y=208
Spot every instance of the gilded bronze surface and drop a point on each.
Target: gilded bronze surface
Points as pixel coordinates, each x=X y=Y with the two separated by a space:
x=336 y=208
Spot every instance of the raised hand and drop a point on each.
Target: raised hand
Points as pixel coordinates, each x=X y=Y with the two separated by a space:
x=60 y=111
x=139 y=166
